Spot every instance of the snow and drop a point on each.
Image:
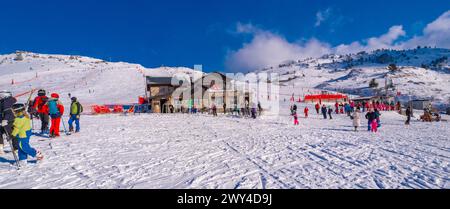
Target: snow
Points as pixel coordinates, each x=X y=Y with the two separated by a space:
x=200 y=151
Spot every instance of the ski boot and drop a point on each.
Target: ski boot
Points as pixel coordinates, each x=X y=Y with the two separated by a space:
x=39 y=156
x=71 y=129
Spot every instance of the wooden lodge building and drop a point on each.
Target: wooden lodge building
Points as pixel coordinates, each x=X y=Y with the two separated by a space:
x=167 y=94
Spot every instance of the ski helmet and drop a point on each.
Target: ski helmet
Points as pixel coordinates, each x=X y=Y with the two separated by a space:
x=5 y=94
x=74 y=99
x=55 y=95
x=42 y=92
x=18 y=107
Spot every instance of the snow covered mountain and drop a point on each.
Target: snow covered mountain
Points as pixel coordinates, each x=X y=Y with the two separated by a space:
x=94 y=81
x=419 y=73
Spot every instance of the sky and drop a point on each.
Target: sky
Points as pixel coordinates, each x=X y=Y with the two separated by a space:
x=221 y=35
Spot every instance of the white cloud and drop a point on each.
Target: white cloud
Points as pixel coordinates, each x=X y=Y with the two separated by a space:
x=322 y=16
x=386 y=40
x=437 y=33
x=269 y=49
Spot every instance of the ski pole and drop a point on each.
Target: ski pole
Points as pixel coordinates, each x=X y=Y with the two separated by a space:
x=9 y=139
x=64 y=125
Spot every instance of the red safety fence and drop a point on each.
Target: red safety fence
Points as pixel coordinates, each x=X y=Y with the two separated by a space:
x=326 y=97
x=24 y=93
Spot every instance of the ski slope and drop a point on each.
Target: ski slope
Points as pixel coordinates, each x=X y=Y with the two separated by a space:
x=200 y=151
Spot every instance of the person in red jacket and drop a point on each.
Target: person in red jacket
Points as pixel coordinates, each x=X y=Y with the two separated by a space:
x=56 y=110
x=38 y=106
x=306 y=112
x=317 y=108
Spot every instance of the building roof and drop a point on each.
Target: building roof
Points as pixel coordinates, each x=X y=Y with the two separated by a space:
x=174 y=81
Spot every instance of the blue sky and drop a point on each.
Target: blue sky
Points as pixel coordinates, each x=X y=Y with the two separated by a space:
x=221 y=35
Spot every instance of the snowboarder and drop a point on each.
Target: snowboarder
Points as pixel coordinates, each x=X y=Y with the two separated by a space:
x=317 y=108
x=39 y=103
x=330 y=111
x=356 y=119
x=7 y=119
x=56 y=111
x=22 y=132
x=75 y=111
x=324 y=112
x=408 y=115
x=306 y=110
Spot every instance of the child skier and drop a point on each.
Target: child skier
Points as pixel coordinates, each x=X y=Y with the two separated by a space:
x=330 y=111
x=374 y=126
x=306 y=112
x=22 y=131
x=317 y=108
x=56 y=110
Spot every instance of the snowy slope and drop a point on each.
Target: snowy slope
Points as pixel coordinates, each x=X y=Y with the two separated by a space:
x=93 y=81
x=200 y=151
x=422 y=73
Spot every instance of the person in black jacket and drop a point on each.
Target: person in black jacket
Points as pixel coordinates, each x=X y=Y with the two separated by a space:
x=408 y=115
x=370 y=116
x=7 y=118
x=324 y=112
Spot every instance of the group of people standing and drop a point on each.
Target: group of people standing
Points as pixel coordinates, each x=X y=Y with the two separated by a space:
x=16 y=121
x=352 y=110
x=51 y=109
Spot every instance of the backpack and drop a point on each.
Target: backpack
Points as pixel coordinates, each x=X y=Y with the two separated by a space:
x=53 y=107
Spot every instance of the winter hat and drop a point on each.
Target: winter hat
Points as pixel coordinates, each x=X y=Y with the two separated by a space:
x=18 y=107
x=55 y=95
x=5 y=94
x=41 y=92
x=74 y=99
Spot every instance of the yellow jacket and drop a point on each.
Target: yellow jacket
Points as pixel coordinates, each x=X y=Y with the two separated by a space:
x=22 y=125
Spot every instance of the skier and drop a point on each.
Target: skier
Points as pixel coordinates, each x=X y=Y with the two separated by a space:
x=22 y=131
x=357 y=119
x=75 y=111
x=371 y=117
x=324 y=112
x=260 y=109
x=306 y=112
x=56 y=111
x=378 y=114
x=39 y=103
x=253 y=110
x=214 y=110
x=295 y=118
x=336 y=105
x=330 y=111
x=7 y=119
x=408 y=115
x=317 y=108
